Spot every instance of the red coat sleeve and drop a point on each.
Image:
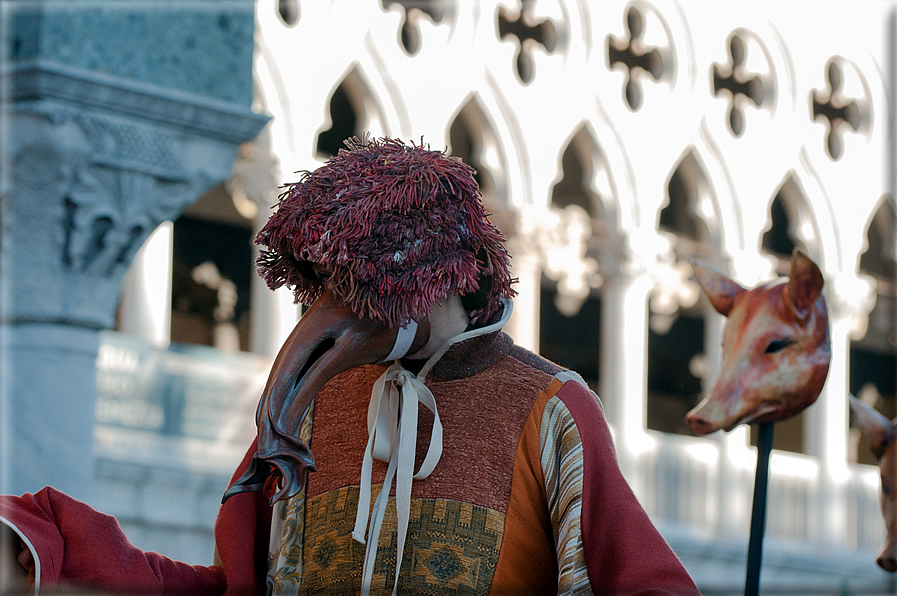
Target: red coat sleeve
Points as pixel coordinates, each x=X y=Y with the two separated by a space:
x=241 y=537
x=75 y=545
x=624 y=552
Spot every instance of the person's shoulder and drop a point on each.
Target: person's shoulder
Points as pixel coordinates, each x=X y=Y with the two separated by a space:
x=534 y=361
x=565 y=381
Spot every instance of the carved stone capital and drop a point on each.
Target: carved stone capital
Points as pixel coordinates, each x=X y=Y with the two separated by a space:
x=559 y=239
x=851 y=298
x=89 y=180
x=751 y=268
x=648 y=257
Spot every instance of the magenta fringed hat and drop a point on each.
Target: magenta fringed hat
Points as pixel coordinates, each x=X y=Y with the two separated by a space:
x=400 y=227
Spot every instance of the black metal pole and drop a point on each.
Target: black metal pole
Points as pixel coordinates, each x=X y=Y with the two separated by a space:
x=758 y=510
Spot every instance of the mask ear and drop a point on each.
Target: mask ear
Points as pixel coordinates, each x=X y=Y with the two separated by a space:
x=720 y=290
x=880 y=430
x=804 y=284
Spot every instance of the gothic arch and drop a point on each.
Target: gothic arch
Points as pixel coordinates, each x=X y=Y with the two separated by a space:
x=790 y=223
x=677 y=361
x=584 y=178
x=691 y=208
x=878 y=256
x=352 y=111
x=472 y=137
x=873 y=356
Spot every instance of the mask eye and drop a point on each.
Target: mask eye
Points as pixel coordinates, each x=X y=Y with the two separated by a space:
x=322 y=274
x=777 y=345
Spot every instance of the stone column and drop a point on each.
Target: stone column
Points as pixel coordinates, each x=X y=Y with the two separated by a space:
x=524 y=323
x=526 y=266
x=850 y=299
x=114 y=118
x=146 y=292
x=255 y=184
x=624 y=366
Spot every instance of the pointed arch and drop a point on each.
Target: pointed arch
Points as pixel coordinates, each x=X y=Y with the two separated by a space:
x=677 y=341
x=353 y=111
x=584 y=177
x=879 y=257
x=691 y=209
x=472 y=138
x=790 y=224
x=873 y=357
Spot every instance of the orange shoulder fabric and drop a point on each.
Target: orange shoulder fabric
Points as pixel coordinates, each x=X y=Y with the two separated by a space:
x=527 y=562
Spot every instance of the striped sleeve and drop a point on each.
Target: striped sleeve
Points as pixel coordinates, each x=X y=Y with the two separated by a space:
x=623 y=551
x=562 y=466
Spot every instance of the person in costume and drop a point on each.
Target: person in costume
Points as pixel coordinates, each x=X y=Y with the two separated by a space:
x=446 y=459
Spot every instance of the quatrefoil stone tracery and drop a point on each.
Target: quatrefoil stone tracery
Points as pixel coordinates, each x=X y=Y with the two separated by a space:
x=529 y=33
x=635 y=57
x=739 y=84
x=836 y=109
x=414 y=9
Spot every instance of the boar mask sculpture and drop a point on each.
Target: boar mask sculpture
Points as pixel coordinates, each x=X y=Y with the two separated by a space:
x=776 y=348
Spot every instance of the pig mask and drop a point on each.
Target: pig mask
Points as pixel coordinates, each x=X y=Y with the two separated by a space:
x=776 y=348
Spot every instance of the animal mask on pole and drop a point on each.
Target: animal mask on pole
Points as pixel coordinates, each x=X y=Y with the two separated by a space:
x=373 y=240
x=776 y=348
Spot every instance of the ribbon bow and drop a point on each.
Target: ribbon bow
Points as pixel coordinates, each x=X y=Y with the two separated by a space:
x=392 y=438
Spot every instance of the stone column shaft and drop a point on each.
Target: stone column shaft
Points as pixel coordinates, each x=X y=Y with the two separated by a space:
x=146 y=292
x=624 y=366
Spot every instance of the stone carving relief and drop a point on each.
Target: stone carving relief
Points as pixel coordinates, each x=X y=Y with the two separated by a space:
x=107 y=220
x=647 y=52
x=117 y=181
x=560 y=239
x=851 y=298
x=129 y=183
x=745 y=79
x=131 y=146
x=651 y=256
x=843 y=106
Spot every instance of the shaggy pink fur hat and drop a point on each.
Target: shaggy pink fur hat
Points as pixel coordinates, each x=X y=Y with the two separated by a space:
x=400 y=227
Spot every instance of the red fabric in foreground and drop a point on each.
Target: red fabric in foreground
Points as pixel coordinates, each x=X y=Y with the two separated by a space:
x=625 y=554
x=241 y=537
x=79 y=546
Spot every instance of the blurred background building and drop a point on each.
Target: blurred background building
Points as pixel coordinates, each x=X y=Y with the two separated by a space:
x=144 y=144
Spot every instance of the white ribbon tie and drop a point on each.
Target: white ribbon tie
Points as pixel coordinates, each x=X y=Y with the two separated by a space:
x=404 y=339
x=392 y=438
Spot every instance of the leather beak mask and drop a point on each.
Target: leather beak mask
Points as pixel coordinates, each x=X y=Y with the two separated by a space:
x=328 y=340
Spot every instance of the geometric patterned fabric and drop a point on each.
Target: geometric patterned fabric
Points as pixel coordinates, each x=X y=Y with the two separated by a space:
x=452 y=548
